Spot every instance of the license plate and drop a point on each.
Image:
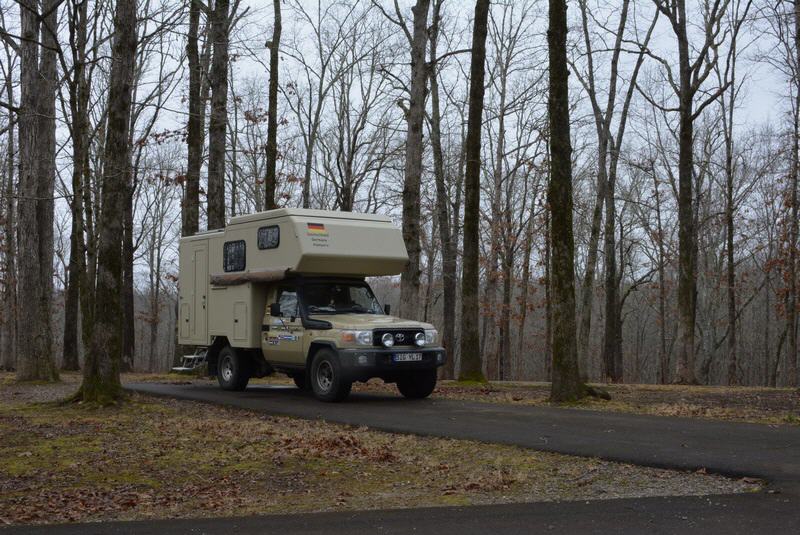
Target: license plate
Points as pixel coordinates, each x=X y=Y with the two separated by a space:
x=407 y=357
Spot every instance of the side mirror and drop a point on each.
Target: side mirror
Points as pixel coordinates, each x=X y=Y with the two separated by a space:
x=387 y=309
x=275 y=310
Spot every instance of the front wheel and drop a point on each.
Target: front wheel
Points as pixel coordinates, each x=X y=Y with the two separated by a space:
x=300 y=380
x=326 y=377
x=417 y=385
x=233 y=370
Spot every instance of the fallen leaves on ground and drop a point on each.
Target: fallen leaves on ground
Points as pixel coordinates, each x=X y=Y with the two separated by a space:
x=155 y=458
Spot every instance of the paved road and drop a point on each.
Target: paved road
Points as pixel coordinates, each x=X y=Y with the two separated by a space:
x=734 y=449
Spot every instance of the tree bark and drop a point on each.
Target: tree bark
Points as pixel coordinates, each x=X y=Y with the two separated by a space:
x=219 y=115
x=566 y=385
x=687 y=240
x=37 y=148
x=194 y=128
x=471 y=359
x=101 y=382
x=8 y=349
x=442 y=207
x=791 y=306
x=272 y=122
x=409 y=280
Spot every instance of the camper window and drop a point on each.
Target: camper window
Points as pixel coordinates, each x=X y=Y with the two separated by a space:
x=233 y=256
x=269 y=237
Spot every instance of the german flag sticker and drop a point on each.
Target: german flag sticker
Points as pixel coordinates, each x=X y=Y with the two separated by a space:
x=316 y=229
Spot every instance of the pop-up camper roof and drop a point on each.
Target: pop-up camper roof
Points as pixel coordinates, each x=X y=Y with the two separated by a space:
x=265 y=245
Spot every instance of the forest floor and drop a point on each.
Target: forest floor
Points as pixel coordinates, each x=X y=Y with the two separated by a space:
x=161 y=458
x=776 y=406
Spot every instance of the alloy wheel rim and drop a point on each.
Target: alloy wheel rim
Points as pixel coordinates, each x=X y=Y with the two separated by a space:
x=325 y=376
x=227 y=369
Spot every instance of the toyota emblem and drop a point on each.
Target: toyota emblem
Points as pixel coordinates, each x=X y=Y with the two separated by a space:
x=399 y=337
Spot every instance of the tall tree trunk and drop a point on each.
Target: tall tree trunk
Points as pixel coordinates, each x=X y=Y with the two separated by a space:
x=219 y=115
x=687 y=276
x=101 y=382
x=523 y=298
x=548 y=299
x=8 y=349
x=78 y=103
x=409 y=280
x=272 y=123
x=128 y=320
x=791 y=308
x=612 y=357
x=471 y=359
x=194 y=127
x=37 y=148
x=566 y=384
x=663 y=357
x=442 y=207
x=733 y=365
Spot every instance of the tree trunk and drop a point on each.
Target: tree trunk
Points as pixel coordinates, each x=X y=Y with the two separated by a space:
x=272 y=123
x=219 y=116
x=8 y=349
x=37 y=148
x=194 y=127
x=101 y=370
x=791 y=308
x=409 y=280
x=566 y=384
x=442 y=209
x=612 y=357
x=128 y=325
x=471 y=359
x=687 y=276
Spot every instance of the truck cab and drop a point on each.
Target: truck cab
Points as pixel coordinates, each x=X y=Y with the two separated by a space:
x=285 y=291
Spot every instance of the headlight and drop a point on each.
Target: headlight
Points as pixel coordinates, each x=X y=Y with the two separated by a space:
x=430 y=336
x=387 y=339
x=362 y=338
x=419 y=339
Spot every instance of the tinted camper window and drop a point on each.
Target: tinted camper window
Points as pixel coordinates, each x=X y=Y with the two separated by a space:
x=269 y=237
x=233 y=255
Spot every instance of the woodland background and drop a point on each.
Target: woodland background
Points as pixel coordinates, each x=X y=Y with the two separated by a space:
x=200 y=114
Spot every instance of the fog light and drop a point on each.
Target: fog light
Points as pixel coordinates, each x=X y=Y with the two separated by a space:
x=439 y=358
x=387 y=339
x=363 y=360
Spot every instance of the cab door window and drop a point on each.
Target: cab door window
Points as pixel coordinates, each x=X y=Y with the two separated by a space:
x=287 y=299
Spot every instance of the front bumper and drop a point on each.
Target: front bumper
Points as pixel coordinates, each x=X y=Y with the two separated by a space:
x=362 y=364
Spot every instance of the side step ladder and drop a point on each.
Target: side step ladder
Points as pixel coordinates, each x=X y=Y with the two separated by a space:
x=190 y=362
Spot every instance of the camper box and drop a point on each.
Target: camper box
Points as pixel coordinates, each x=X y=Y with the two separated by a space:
x=224 y=273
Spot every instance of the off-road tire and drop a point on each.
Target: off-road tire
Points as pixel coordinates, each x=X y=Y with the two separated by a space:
x=417 y=385
x=300 y=380
x=326 y=378
x=233 y=369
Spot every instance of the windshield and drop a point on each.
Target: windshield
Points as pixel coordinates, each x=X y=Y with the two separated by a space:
x=340 y=298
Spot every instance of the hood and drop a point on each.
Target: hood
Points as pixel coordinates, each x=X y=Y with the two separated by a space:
x=370 y=321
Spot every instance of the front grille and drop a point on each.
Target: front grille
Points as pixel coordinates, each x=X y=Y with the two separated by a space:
x=402 y=337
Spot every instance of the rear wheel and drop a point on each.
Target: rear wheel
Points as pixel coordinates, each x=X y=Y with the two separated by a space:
x=326 y=377
x=233 y=369
x=417 y=385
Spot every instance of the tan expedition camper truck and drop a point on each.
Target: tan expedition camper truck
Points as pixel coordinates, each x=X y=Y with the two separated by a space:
x=284 y=291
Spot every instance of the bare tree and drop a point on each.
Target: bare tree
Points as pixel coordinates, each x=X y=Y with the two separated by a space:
x=9 y=325
x=471 y=360
x=566 y=384
x=220 y=35
x=101 y=382
x=692 y=73
x=37 y=125
x=272 y=127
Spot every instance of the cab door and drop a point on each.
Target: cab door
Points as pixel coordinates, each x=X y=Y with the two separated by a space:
x=282 y=338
